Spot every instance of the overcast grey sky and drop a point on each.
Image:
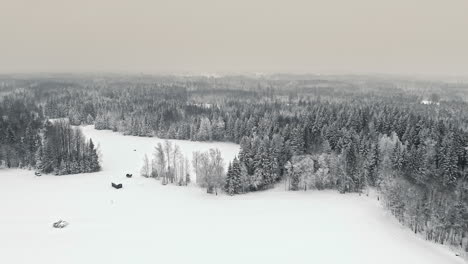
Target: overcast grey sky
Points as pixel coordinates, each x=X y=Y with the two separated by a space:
x=312 y=36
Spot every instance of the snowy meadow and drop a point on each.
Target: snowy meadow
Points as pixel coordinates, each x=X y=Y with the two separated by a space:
x=146 y=222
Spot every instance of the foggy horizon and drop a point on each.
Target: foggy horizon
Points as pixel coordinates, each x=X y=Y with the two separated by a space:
x=209 y=37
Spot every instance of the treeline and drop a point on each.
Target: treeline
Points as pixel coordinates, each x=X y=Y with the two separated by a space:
x=28 y=141
x=176 y=107
x=65 y=151
x=418 y=162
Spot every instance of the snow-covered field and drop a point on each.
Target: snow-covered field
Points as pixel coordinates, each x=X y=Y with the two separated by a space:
x=124 y=154
x=146 y=222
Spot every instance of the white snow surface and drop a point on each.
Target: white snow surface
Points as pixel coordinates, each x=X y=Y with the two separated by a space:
x=146 y=222
x=124 y=154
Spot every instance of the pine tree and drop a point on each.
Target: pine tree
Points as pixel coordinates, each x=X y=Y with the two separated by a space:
x=292 y=176
x=372 y=165
x=205 y=132
x=229 y=185
x=448 y=163
x=297 y=141
x=244 y=149
x=93 y=157
x=10 y=136
x=277 y=156
x=397 y=157
x=234 y=182
x=38 y=156
x=326 y=148
x=244 y=178
x=89 y=119
x=350 y=180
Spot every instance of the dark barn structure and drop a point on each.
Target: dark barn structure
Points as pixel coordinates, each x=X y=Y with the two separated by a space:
x=117 y=186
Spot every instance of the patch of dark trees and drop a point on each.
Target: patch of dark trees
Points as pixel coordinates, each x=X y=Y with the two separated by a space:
x=28 y=141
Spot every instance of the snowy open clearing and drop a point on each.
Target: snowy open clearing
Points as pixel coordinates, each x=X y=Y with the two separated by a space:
x=124 y=154
x=146 y=222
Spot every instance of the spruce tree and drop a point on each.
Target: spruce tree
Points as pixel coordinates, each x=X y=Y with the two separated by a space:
x=397 y=157
x=449 y=160
x=372 y=165
x=229 y=186
x=93 y=157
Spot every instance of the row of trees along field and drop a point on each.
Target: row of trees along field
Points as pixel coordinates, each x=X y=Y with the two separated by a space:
x=344 y=133
x=29 y=141
x=169 y=165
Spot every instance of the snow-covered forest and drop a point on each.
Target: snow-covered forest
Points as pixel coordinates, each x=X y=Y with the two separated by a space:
x=351 y=134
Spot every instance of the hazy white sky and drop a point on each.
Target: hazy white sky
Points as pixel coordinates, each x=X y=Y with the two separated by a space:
x=313 y=36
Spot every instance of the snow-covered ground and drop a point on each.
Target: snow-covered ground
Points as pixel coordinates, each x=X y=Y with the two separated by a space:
x=146 y=222
x=124 y=154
